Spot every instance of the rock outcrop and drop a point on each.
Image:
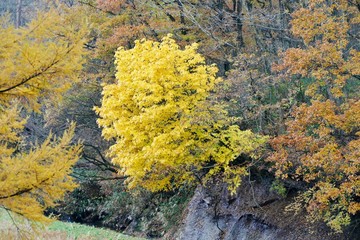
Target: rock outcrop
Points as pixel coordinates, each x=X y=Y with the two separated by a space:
x=254 y=213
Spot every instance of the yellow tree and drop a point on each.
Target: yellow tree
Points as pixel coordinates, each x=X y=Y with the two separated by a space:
x=321 y=146
x=165 y=126
x=37 y=62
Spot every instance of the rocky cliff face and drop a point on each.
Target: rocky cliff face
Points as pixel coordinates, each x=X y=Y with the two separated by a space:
x=255 y=213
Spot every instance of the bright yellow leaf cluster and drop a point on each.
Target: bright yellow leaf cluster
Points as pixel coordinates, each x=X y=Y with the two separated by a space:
x=164 y=127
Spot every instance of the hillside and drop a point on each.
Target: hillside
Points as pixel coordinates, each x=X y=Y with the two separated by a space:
x=192 y=119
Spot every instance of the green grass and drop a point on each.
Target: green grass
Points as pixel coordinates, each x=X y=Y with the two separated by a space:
x=76 y=231
x=57 y=230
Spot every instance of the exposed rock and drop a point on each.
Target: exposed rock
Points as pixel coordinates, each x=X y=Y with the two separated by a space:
x=255 y=213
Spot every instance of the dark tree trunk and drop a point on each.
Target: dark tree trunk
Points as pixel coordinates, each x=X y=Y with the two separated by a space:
x=239 y=25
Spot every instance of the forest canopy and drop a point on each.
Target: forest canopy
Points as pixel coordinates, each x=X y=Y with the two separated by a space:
x=166 y=95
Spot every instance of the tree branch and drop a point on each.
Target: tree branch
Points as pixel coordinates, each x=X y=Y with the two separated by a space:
x=37 y=73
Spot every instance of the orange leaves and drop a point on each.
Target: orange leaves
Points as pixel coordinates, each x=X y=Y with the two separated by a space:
x=316 y=141
x=123 y=34
x=320 y=113
x=113 y=6
x=324 y=29
x=304 y=23
x=323 y=62
x=353 y=65
x=350 y=118
x=354 y=207
x=320 y=20
x=322 y=142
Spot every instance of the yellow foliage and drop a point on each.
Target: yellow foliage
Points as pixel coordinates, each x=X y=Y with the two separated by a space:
x=165 y=128
x=40 y=60
x=32 y=181
x=49 y=52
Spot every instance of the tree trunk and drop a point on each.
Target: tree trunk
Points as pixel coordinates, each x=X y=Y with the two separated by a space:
x=18 y=13
x=239 y=25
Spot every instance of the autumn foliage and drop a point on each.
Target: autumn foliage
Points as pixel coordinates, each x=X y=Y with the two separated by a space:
x=321 y=146
x=289 y=69
x=37 y=62
x=165 y=128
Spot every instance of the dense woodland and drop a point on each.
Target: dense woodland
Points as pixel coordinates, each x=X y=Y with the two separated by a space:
x=113 y=111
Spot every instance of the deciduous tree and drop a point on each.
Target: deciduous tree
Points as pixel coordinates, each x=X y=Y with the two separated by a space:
x=37 y=62
x=321 y=146
x=165 y=127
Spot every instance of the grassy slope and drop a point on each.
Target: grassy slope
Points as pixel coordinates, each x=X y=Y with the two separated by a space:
x=58 y=230
x=75 y=231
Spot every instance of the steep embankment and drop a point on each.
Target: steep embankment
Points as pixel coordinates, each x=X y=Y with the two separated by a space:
x=255 y=213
